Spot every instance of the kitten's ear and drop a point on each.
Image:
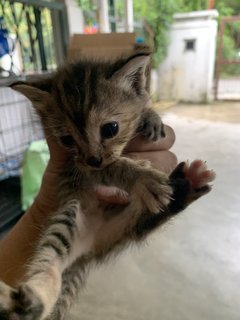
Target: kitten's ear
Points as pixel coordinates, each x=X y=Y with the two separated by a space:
x=131 y=74
x=36 y=91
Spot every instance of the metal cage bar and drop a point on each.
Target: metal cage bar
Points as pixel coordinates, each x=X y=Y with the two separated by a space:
x=35 y=48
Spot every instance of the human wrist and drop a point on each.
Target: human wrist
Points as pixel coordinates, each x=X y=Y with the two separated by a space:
x=46 y=201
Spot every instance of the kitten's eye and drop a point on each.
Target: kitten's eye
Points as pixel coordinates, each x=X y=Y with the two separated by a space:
x=109 y=130
x=67 y=141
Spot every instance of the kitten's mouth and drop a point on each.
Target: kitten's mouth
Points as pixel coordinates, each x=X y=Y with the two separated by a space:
x=102 y=166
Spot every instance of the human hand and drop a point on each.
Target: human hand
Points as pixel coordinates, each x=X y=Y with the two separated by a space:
x=19 y=244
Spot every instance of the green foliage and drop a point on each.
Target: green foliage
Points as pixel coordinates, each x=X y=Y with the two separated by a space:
x=89 y=8
x=87 y=5
x=230 y=50
x=192 y=5
x=224 y=7
x=228 y=7
x=159 y=16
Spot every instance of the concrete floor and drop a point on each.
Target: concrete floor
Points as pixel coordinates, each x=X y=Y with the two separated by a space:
x=190 y=270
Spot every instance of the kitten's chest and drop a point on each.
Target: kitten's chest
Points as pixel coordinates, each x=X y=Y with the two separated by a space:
x=78 y=185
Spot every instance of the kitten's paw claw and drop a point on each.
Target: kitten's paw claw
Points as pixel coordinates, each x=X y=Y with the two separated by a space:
x=19 y=304
x=27 y=303
x=153 y=131
x=154 y=192
x=152 y=127
x=190 y=182
x=198 y=174
x=5 y=301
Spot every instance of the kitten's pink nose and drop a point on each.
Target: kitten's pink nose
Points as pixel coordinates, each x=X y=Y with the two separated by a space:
x=94 y=161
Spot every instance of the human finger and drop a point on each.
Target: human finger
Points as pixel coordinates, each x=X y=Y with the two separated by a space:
x=111 y=194
x=139 y=143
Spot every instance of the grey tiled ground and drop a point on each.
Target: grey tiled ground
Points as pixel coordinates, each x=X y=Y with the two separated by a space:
x=191 y=269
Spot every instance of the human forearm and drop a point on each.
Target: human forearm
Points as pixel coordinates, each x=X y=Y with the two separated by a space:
x=18 y=246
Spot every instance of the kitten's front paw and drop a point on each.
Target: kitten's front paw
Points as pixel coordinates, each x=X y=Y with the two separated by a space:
x=190 y=182
x=6 y=302
x=154 y=192
x=151 y=126
x=19 y=304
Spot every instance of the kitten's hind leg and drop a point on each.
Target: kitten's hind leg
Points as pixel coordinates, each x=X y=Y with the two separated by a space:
x=73 y=279
x=189 y=182
x=36 y=297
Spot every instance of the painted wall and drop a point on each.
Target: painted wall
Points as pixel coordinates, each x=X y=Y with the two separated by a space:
x=187 y=74
x=75 y=17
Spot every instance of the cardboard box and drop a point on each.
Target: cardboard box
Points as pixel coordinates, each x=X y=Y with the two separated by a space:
x=103 y=45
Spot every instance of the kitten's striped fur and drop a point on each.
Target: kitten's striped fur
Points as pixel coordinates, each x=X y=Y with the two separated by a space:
x=78 y=101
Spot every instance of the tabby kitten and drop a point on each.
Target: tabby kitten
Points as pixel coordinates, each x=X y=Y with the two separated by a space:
x=93 y=109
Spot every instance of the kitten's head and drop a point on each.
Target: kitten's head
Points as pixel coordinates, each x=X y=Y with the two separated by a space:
x=91 y=107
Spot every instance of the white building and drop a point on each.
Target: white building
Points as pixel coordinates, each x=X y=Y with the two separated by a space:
x=187 y=73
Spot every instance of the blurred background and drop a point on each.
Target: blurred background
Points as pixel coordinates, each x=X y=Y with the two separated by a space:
x=190 y=269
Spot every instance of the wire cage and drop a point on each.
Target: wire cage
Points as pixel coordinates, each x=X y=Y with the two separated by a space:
x=19 y=126
x=33 y=40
